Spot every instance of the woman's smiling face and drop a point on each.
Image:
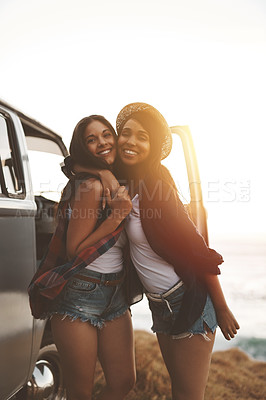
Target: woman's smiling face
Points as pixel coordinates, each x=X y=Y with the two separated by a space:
x=133 y=143
x=100 y=141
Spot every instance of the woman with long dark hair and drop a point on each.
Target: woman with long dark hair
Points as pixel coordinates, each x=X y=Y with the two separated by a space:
x=177 y=269
x=80 y=282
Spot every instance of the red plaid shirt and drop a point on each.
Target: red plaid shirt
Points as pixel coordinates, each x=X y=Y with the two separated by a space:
x=55 y=270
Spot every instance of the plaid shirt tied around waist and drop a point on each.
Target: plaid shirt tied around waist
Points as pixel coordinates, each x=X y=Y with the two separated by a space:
x=55 y=270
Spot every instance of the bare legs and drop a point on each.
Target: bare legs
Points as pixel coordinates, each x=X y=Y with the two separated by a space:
x=187 y=361
x=116 y=355
x=78 y=343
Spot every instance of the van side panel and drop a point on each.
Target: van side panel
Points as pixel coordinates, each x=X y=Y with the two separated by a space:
x=26 y=225
x=17 y=265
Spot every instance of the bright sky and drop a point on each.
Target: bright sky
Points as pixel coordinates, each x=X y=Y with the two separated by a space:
x=201 y=63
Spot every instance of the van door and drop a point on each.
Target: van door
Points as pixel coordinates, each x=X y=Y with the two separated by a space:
x=182 y=163
x=17 y=255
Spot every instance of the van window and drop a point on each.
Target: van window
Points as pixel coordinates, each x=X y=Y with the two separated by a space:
x=10 y=164
x=45 y=157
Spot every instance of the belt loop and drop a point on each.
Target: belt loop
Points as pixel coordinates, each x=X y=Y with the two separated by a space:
x=102 y=280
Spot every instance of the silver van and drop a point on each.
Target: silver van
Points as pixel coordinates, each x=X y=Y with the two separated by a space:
x=29 y=160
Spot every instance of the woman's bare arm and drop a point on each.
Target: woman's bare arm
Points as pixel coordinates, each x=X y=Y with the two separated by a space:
x=226 y=320
x=107 y=178
x=85 y=211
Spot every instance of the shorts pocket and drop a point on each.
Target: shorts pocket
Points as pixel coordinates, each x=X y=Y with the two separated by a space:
x=175 y=299
x=209 y=314
x=156 y=307
x=81 y=285
x=160 y=311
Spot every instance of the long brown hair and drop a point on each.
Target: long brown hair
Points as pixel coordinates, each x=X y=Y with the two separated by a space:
x=78 y=150
x=79 y=154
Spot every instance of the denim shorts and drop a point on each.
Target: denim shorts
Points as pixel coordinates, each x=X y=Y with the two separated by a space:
x=91 y=302
x=165 y=307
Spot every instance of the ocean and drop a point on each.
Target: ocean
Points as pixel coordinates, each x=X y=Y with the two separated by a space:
x=243 y=280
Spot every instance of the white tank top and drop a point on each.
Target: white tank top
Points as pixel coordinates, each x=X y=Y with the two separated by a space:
x=112 y=259
x=156 y=275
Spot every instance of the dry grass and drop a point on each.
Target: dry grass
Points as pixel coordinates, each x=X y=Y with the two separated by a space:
x=233 y=375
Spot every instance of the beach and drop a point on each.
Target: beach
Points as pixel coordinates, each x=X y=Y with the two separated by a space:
x=233 y=374
x=243 y=279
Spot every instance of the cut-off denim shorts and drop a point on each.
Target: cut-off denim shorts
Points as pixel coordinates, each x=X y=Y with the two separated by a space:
x=91 y=302
x=165 y=307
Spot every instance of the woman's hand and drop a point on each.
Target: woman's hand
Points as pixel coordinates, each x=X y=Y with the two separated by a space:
x=227 y=323
x=226 y=320
x=120 y=203
x=107 y=178
x=109 y=182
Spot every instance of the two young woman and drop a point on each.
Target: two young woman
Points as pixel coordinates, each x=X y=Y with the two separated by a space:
x=178 y=271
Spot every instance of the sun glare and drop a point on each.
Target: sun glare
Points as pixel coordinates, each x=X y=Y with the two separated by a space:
x=202 y=66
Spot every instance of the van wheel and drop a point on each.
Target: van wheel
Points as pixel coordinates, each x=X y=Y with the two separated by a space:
x=46 y=382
